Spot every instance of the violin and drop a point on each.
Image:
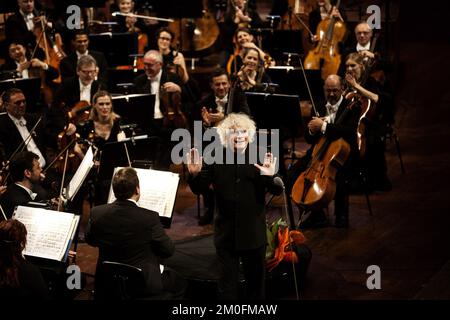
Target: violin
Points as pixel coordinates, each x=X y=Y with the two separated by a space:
x=326 y=55
x=78 y=113
x=173 y=116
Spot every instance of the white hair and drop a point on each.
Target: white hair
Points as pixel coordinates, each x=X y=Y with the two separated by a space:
x=236 y=120
x=154 y=54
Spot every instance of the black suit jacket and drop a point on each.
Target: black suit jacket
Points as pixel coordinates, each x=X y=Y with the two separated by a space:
x=16 y=30
x=14 y=196
x=239 y=103
x=130 y=234
x=142 y=84
x=10 y=65
x=344 y=126
x=68 y=65
x=10 y=137
x=240 y=189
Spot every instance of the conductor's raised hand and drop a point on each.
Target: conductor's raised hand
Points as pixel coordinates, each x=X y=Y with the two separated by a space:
x=269 y=166
x=194 y=162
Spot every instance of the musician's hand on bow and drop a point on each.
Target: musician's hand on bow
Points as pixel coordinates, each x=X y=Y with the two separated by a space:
x=171 y=87
x=71 y=129
x=315 y=125
x=35 y=62
x=367 y=53
x=269 y=166
x=336 y=14
x=23 y=66
x=2 y=187
x=250 y=45
x=194 y=162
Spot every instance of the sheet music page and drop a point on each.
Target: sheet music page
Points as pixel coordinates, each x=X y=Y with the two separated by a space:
x=80 y=174
x=158 y=190
x=49 y=232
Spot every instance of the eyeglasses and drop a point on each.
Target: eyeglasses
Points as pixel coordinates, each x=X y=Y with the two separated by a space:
x=88 y=71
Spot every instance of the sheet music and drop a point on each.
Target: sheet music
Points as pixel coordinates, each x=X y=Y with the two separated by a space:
x=49 y=232
x=81 y=174
x=158 y=190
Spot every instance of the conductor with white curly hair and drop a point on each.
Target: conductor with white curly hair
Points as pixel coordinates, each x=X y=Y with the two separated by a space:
x=240 y=222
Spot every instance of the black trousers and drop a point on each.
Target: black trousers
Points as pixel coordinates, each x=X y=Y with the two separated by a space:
x=253 y=264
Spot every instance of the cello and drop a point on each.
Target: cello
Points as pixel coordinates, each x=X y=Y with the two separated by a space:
x=325 y=55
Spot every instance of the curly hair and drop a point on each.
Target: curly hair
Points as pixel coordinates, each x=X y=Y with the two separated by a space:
x=236 y=120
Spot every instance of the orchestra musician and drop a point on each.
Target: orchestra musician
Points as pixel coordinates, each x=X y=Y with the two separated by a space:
x=164 y=38
x=22 y=66
x=81 y=87
x=80 y=43
x=127 y=233
x=16 y=124
x=25 y=171
x=252 y=72
x=243 y=39
x=323 y=10
x=19 y=27
x=239 y=225
x=102 y=127
x=156 y=80
x=335 y=121
x=19 y=279
x=374 y=160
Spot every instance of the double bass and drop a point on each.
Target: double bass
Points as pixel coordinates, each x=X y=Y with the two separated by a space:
x=196 y=34
x=325 y=55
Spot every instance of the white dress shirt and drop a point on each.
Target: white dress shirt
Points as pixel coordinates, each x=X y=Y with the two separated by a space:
x=79 y=55
x=331 y=113
x=155 y=84
x=28 y=20
x=21 y=125
x=221 y=103
x=85 y=92
x=363 y=48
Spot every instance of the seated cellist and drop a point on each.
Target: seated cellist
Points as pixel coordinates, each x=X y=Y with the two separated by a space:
x=334 y=121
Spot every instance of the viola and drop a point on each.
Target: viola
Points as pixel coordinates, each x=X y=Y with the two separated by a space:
x=78 y=113
x=173 y=116
x=326 y=55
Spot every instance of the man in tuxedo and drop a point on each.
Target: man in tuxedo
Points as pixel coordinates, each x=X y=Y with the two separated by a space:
x=25 y=171
x=127 y=233
x=80 y=42
x=16 y=126
x=81 y=87
x=155 y=80
x=335 y=121
x=20 y=66
x=215 y=106
x=19 y=27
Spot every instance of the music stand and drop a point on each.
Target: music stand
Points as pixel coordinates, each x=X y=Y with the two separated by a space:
x=116 y=76
x=116 y=46
x=291 y=81
x=31 y=87
x=136 y=108
x=286 y=40
x=276 y=111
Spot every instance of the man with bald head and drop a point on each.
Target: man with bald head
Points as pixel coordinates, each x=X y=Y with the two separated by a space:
x=334 y=121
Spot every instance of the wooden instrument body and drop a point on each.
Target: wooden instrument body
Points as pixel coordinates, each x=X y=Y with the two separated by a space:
x=325 y=55
x=316 y=186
